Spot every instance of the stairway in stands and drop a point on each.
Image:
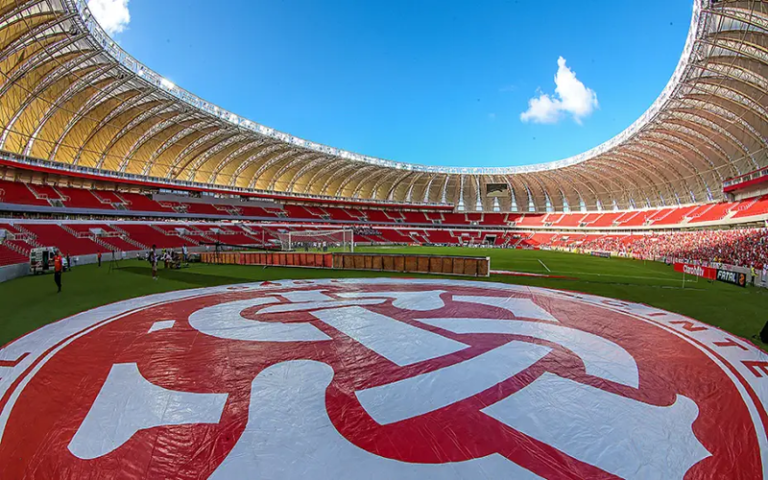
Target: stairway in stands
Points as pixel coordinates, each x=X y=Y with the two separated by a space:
x=126 y=237
x=176 y=234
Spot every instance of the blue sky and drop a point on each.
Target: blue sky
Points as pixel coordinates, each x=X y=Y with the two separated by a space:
x=423 y=81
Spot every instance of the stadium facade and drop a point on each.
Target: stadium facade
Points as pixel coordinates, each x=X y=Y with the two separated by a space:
x=73 y=100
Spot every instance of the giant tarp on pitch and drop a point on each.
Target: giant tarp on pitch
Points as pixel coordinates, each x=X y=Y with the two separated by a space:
x=381 y=379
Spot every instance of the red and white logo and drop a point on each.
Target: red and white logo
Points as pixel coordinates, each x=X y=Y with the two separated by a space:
x=696 y=270
x=381 y=379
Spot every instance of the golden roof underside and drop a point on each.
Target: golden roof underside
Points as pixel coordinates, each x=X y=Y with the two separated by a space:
x=64 y=99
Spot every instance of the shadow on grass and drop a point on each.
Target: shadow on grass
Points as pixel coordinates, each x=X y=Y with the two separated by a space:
x=185 y=276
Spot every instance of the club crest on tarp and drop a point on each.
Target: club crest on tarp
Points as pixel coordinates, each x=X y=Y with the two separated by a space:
x=394 y=378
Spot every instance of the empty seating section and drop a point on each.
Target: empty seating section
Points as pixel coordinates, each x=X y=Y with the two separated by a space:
x=172 y=228
x=219 y=233
x=394 y=215
x=211 y=230
x=570 y=220
x=174 y=206
x=140 y=203
x=590 y=219
x=415 y=217
x=274 y=210
x=146 y=235
x=203 y=209
x=714 y=213
x=377 y=216
x=532 y=220
x=638 y=219
x=434 y=216
x=255 y=211
x=495 y=219
x=699 y=211
x=44 y=191
x=758 y=207
x=658 y=215
x=293 y=211
x=55 y=236
x=117 y=243
x=675 y=216
x=88 y=228
x=442 y=236
x=353 y=213
x=11 y=257
x=606 y=219
x=234 y=238
x=661 y=213
x=250 y=211
x=80 y=198
x=395 y=236
x=227 y=209
x=417 y=236
x=104 y=233
x=343 y=215
x=21 y=245
x=251 y=230
x=454 y=219
x=13 y=192
x=105 y=196
x=8 y=227
x=553 y=218
x=313 y=212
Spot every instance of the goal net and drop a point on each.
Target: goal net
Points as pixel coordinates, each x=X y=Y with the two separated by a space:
x=318 y=240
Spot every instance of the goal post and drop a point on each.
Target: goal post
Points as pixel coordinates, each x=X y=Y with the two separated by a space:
x=319 y=239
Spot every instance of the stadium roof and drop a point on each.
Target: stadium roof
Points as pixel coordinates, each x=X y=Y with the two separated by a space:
x=72 y=96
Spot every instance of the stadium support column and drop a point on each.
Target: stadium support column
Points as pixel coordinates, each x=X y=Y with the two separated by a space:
x=352 y=240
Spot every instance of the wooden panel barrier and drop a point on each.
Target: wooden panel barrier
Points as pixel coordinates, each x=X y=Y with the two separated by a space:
x=434 y=264
x=315 y=260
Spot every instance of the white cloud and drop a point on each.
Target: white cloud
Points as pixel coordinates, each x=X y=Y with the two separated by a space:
x=571 y=98
x=112 y=15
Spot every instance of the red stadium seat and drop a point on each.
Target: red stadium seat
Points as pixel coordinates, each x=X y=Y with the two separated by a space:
x=9 y=256
x=51 y=235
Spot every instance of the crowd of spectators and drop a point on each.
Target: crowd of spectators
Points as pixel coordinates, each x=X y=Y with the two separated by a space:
x=743 y=247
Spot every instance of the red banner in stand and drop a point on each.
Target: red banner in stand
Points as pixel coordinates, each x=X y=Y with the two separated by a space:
x=697 y=270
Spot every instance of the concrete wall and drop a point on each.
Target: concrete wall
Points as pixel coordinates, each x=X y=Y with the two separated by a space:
x=9 y=272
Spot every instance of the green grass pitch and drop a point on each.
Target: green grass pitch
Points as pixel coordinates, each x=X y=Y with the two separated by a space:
x=31 y=302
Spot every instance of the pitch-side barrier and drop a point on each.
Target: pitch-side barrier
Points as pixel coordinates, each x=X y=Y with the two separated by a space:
x=396 y=263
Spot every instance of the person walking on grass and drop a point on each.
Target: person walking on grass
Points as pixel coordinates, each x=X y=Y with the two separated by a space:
x=153 y=262
x=99 y=257
x=57 y=269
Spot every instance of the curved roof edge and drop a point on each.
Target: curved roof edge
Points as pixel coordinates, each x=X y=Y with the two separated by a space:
x=129 y=62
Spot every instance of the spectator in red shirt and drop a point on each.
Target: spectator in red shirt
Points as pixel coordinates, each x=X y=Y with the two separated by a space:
x=57 y=269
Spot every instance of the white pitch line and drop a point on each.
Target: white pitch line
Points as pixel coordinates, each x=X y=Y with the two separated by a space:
x=544 y=265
